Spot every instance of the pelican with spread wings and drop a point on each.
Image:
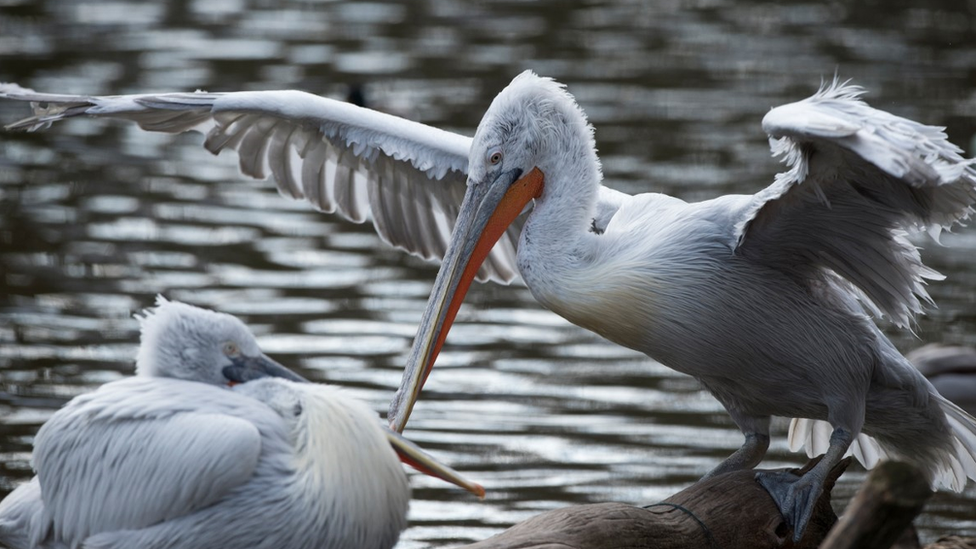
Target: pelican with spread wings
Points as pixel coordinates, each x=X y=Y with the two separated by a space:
x=767 y=299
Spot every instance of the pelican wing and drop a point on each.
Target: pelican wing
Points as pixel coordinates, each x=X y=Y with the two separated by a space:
x=20 y=514
x=408 y=177
x=608 y=202
x=140 y=451
x=859 y=179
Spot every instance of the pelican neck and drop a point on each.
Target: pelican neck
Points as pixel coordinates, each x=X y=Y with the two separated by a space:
x=557 y=236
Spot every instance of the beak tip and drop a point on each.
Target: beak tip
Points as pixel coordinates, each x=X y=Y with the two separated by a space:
x=397 y=414
x=393 y=419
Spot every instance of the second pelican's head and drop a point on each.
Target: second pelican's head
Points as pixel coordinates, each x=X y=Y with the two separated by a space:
x=186 y=342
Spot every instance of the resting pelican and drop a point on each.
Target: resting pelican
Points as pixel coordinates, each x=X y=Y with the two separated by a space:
x=172 y=458
x=767 y=299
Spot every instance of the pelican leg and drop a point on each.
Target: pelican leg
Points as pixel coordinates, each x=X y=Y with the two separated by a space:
x=756 y=431
x=796 y=496
x=746 y=457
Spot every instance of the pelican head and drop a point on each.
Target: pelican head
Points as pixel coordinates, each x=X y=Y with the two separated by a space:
x=185 y=342
x=534 y=123
x=533 y=130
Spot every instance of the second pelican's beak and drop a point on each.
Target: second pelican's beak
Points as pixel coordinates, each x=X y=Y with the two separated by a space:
x=245 y=368
x=412 y=455
x=486 y=212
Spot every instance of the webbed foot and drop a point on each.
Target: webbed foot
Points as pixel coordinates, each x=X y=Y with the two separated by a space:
x=795 y=496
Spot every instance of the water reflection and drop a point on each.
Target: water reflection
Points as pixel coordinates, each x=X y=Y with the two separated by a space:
x=96 y=218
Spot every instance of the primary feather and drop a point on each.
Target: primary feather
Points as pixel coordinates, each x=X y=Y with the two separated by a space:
x=876 y=177
x=409 y=178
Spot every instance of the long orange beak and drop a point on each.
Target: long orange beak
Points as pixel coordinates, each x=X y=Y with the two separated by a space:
x=412 y=455
x=487 y=211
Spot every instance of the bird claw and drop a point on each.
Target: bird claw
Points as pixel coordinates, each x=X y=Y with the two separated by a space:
x=795 y=496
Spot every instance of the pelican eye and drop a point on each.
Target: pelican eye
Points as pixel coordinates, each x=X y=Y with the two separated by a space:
x=231 y=349
x=495 y=158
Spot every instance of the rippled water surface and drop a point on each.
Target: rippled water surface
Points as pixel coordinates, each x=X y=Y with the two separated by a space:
x=96 y=218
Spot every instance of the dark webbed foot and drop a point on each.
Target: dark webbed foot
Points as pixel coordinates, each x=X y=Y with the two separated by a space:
x=795 y=496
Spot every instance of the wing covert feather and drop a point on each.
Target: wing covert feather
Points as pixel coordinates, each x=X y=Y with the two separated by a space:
x=343 y=159
x=859 y=181
x=135 y=438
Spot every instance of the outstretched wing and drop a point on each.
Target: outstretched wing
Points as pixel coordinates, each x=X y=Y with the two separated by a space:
x=859 y=178
x=140 y=451
x=408 y=177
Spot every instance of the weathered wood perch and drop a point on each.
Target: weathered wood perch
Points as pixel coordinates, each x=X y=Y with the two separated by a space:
x=953 y=542
x=729 y=511
x=734 y=512
x=884 y=506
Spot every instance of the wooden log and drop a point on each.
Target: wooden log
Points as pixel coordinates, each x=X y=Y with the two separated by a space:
x=730 y=511
x=884 y=506
x=908 y=539
x=953 y=542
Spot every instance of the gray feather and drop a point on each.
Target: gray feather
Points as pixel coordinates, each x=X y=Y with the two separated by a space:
x=296 y=136
x=859 y=179
x=201 y=444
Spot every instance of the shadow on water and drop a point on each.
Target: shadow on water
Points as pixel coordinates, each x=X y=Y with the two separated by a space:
x=96 y=218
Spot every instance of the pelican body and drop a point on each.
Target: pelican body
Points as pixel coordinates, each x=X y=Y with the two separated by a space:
x=766 y=299
x=770 y=299
x=173 y=458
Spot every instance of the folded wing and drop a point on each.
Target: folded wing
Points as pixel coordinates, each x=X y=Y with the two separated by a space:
x=141 y=451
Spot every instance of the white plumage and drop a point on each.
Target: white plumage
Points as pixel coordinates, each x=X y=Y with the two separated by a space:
x=154 y=463
x=767 y=299
x=359 y=163
x=174 y=458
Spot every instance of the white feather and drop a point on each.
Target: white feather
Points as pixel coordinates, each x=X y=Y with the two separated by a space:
x=172 y=456
x=343 y=159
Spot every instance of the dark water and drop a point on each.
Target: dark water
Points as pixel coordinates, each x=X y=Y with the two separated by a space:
x=97 y=218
